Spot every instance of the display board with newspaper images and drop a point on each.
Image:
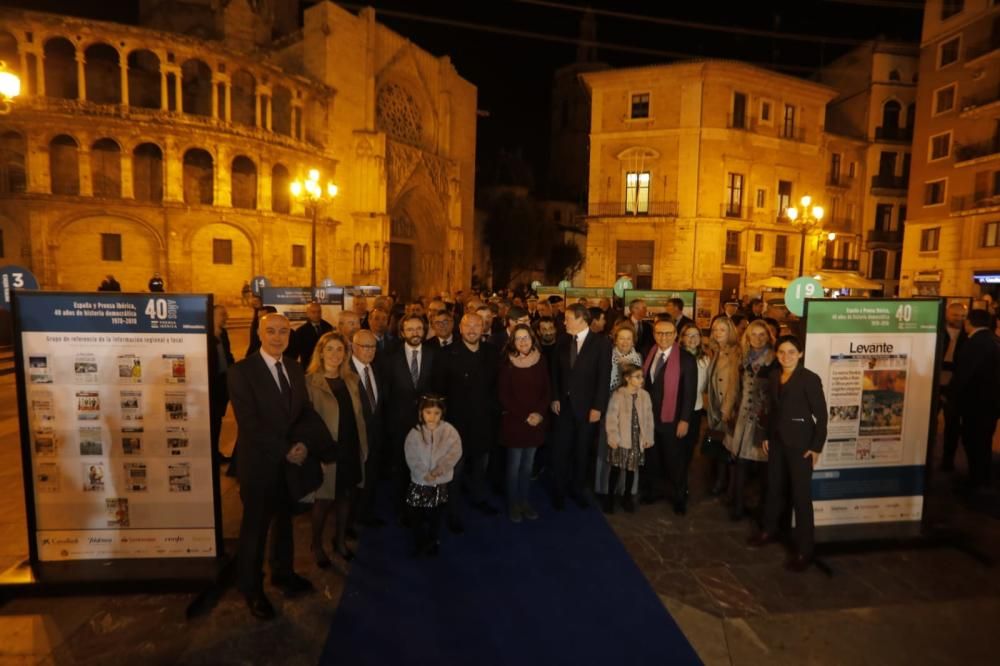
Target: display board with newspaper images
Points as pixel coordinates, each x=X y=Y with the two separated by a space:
x=877 y=361
x=592 y=295
x=114 y=403
x=292 y=301
x=656 y=300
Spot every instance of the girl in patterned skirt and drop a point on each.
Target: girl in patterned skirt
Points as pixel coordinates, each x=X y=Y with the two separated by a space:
x=432 y=449
x=629 y=425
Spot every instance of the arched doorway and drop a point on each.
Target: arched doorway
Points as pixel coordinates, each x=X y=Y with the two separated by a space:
x=91 y=247
x=418 y=242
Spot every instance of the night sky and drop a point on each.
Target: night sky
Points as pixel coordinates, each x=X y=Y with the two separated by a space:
x=514 y=73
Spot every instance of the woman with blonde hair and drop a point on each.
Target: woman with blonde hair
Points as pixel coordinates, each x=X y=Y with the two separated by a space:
x=335 y=394
x=746 y=443
x=722 y=389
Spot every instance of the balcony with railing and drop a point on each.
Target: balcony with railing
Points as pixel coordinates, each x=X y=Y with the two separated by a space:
x=746 y=122
x=792 y=133
x=839 y=180
x=838 y=264
x=989 y=148
x=984 y=104
x=990 y=46
x=632 y=209
x=904 y=134
x=889 y=182
x=735 y=210
x=883 y=237
x=978 y=202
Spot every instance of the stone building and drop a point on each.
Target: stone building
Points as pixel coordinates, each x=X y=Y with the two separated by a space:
x=877 y=82
x=952 y=236
x=170 y=148
x=692 y=167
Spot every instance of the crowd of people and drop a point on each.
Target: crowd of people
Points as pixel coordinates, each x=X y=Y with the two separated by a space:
x=458 y=402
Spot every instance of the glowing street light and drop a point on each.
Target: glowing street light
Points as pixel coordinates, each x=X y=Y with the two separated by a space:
x=10 y=87
x=809 y=218
x=313 y=195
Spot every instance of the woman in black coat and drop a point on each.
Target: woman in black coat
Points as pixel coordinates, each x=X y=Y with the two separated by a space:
x=796 y=427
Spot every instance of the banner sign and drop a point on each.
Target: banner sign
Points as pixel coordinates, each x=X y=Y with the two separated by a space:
x=877 y=360
x=14 y=277
x=544 y=291
x=113 y=392
x=369 y=291
x=591 y=294
x=656 y=300
x=292 y=301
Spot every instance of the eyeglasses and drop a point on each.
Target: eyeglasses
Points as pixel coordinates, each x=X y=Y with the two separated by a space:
x=664 y=334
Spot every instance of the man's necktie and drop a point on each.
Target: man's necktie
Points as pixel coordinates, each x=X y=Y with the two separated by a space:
x=659 y=364
x=414 y=369
x=286 y=388
x=573 y=351
x=369 y=388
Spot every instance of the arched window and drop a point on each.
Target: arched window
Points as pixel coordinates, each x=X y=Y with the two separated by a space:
x=60 y=69
x=106 y=169
x=103 y=74
x=366 y=260
x=244 y=179
x=64 y=167
x=199 y=177
x=879 y=258
x=13 y=177
x=147 y=172
x=398 y=114
x=196 y=88
x=281 y=199
x=357 y=258
x=244 y=98
x=144 y=79
x=281 y=111
x=890 y=114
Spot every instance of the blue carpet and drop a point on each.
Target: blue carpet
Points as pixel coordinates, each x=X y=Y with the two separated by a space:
x=559 y=590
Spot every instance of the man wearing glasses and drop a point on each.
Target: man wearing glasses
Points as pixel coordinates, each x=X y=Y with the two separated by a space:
x=672 y=382
x=363 y=347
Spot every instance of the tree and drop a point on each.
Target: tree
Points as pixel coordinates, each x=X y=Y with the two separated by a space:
x=565 y=259
x=517 y=235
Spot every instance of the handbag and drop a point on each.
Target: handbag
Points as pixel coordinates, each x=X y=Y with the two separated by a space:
x=712 y=446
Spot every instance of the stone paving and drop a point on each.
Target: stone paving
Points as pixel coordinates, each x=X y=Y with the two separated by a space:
x=736 y=605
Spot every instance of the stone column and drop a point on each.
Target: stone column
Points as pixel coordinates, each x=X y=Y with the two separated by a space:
x=128 y=180
x=83 y=168
x=264 y=184
x=123 y=63
x=229 y=100
x=179 y=101
x=40 y=72
x=215 y=98
x=81 y=78
x=164 y=93
x=223 y=177
x=258 y=99
x=267 y=111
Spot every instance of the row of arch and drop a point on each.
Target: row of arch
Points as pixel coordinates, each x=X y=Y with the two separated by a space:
x=199 y=181
x=102 y=74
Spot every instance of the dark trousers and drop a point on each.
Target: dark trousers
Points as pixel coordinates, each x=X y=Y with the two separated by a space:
x=786 y=467
x=218 y=400
x=469 y=479
x=571 y=451
x=666 y=461
x=366 y=500
x=263 y=512
x=689 y=443
x=977 y=438
x=952 y=433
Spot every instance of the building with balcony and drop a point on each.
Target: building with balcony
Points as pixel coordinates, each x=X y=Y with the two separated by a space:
x=953 y=229
x=692 y=166
x=170 y=148
x=877 y=85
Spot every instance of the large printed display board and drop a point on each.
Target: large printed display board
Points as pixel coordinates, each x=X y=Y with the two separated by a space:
x=113 y=392
x=877 y=360
x=656 y=300
x=292 y=301
x=592 y=294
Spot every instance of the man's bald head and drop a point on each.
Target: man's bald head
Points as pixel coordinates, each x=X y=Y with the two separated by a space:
x=274 y=329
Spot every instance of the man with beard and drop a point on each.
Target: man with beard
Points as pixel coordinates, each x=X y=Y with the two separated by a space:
x=466 y=375
x=547 y=336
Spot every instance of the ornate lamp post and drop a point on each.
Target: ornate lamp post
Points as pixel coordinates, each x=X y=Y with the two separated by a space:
x=10 y=87
x=809 y=218
x=310 y=193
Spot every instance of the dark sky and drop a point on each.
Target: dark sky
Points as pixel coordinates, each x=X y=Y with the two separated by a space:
x=514 y=73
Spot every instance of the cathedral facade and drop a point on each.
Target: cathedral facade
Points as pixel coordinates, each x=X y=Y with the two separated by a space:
x=170 y=147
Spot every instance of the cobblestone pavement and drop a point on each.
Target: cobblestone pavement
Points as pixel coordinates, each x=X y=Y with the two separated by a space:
x=736 y=605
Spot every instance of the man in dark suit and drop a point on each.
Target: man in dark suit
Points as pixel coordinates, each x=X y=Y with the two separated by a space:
x=408 y=371
x=643 y=329
x=952 y=338
x=363 y=354
x=220 y=360
x=268 y=393
x=385 y=341
x=306 y=336
x=672 y=381
x=675 y=308
x=442 y=328
x=465 y=372
x=581 y=371
x=975 y=390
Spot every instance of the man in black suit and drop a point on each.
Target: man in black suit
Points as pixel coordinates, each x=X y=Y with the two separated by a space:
x=643 y=329
x=975 y=390
x=581 y=371
x=363 y=354
x=952 y=339
x=306 y=336
x=220 y=360
x=675 y=308
x=443 y=328
x=378 y=323
x=672 y=381
x=408 y=371
x=272 y=408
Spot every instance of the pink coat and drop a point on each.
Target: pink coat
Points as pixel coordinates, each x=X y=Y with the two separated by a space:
x=619 y=418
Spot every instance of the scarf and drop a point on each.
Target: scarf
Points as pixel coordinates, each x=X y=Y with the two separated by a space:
x=671 y=380
x=617 y=358
x=528 y=361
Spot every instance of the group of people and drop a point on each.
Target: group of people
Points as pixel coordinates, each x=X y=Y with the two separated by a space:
x=109 y=283
x=452 y=402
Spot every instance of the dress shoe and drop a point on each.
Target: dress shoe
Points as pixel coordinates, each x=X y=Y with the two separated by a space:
x=260 y=607
x=760 y=539
x=628 y=503
x=798 y=563
x=582 y=500
x=514 y=513
x=455 y=525
x=486 y=508
x=292 y=584
x=322 y=561
x=529 y=512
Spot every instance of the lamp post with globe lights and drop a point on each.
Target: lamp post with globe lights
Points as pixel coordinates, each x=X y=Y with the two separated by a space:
x=313 y=195
x=810 y=217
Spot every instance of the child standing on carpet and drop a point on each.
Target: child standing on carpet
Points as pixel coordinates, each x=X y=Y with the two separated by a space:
x=433 y=448
x=629 y=425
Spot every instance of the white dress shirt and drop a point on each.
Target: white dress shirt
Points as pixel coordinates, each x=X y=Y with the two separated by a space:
x=360 y=368
x=272 y=366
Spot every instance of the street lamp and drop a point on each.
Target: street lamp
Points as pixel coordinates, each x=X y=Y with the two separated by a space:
x=10 y=87
x=312 y=195
x=809 y=218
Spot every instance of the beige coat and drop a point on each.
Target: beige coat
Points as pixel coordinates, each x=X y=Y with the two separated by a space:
x=618 y=422
x=723 y=388
x=326 y=405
